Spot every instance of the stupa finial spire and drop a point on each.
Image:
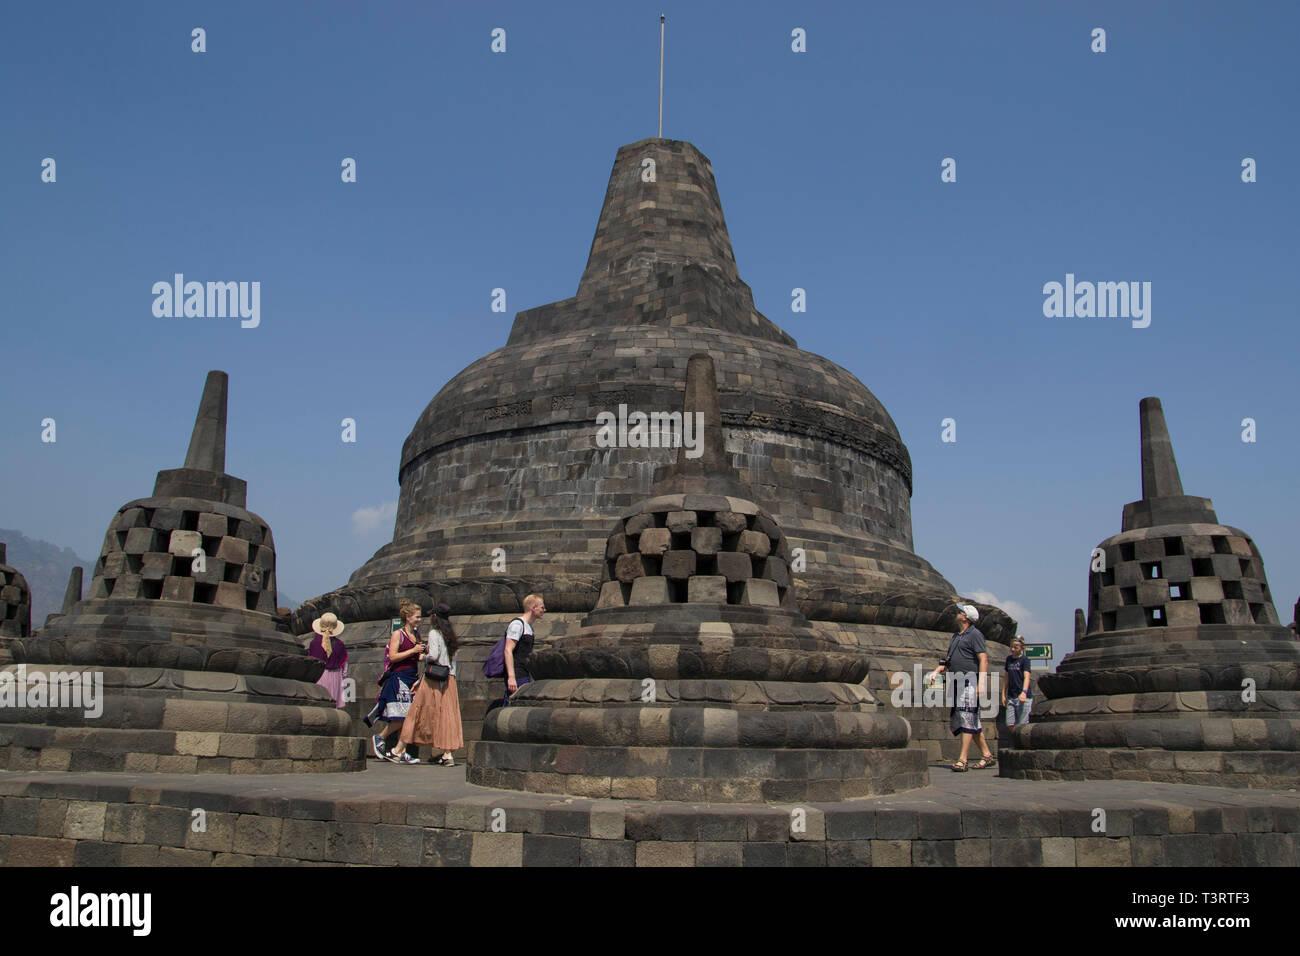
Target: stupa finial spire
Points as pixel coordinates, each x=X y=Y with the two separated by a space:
x=1160 y=477
x=701 y=399
x=702 y=465
x=207 y=450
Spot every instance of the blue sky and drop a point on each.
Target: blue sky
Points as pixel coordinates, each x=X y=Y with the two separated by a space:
x=478 y=170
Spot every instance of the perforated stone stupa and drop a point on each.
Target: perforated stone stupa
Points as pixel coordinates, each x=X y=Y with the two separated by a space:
x=504 y=456
x=1185 y=673
x=15 y=606
x=690 y=681
x=178 y=623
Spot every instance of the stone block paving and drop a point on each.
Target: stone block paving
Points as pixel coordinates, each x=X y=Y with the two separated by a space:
x=429 y=816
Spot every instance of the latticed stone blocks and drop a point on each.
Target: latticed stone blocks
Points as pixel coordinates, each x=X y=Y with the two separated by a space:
x=15 y=601
x=701 y=549
x=1187 y=574
x=150 y=553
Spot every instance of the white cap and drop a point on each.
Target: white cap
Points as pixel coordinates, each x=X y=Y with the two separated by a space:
x=970 y=612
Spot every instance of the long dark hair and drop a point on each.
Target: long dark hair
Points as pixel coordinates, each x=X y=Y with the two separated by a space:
x=443 y=615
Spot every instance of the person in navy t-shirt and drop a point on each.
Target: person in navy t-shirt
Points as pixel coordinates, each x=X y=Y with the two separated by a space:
x=1017 y=694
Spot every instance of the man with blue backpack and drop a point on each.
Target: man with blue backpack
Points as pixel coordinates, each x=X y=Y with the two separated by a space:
x=508 y=658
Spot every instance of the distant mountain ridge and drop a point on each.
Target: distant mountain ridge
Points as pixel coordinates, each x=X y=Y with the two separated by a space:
x=46 y=567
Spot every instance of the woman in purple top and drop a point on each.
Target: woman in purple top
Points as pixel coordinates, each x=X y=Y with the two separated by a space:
x=401 y=671
x=327 y=647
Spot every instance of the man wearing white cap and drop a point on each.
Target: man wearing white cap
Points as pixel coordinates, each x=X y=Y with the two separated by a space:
x=968 y=661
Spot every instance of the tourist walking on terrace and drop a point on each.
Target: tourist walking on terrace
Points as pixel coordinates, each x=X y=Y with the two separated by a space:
x=968 y=663
x=1017 y=695
x=401 y=669
x=434 y=717
x=327 y=647
x=509 y=657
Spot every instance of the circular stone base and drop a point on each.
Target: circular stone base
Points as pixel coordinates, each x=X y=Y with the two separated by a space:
x=1172 y=705
x=151 y=719
x=1212 y=732
x=664 y=726
x=700 y=775
x=1254 y=770
x=87 y=749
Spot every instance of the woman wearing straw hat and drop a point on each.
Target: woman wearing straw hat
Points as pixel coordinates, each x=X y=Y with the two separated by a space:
x=327 y=647
x=434 y=717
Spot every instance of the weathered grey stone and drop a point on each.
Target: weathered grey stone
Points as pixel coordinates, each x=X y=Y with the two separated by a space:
x=681 y=522
x=728 y=522
x=735 y=566
x=754 y=543
x=706 y=541
x=184 y=543
x=649 y=590
x=629 y=567
x=655 y=541
x=761 y=593
x=707 y=589
x=611 y=595
x=679 y=565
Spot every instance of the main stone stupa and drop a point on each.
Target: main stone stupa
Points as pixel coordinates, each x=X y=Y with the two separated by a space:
x=505 y=455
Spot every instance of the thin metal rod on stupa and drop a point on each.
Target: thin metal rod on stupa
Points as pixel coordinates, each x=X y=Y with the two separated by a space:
x=1159 y=469
x=208 y=442
x=661 y=76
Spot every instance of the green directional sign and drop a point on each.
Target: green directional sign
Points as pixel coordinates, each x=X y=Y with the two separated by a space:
x=1038 y=652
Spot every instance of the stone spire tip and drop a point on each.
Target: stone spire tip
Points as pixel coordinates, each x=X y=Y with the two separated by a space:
x=1160 y=477
x=207 y=450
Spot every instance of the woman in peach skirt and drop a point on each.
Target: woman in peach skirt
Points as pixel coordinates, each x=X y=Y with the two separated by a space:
x=434 y=717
